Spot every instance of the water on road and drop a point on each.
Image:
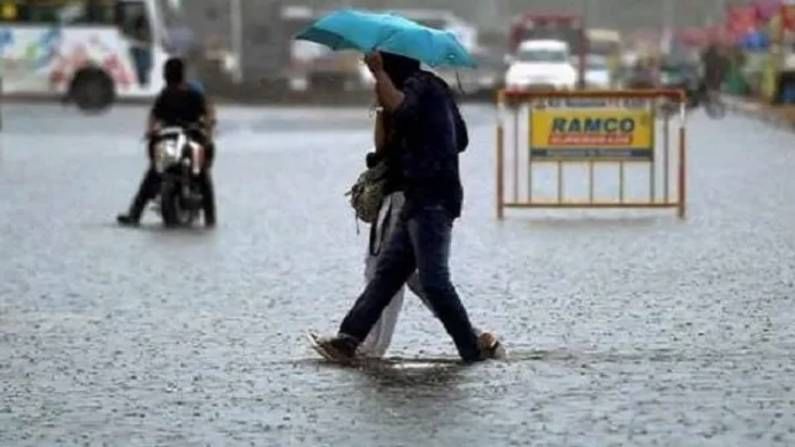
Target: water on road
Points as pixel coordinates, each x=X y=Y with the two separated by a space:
x=624 y=328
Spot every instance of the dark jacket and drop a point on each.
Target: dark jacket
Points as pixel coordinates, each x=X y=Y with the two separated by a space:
x=179 y=105
x=431 y=134
x=183 y=106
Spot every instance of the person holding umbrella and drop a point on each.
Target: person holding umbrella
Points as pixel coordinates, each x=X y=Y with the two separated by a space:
x=431 y=133
x=387 y=152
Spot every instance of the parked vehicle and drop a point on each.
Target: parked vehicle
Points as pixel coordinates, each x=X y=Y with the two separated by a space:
x=605 y=47
x=541 y=64
x=245 y=43
x=482 y=81
x=89 y=51
x=639 y=74
x=561 y=27
x=686 y=77
x=681 y=76
x=316 y=67
x=597 y=72
x=604 y=42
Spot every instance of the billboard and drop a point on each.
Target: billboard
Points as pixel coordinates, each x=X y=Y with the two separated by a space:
x=592 y=133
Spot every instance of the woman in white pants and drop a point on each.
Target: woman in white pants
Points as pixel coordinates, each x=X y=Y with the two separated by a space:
x=379 y=338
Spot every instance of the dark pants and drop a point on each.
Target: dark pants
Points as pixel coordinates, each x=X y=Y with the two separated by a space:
x=150 y=187
x=420 y=243
x=142 y=60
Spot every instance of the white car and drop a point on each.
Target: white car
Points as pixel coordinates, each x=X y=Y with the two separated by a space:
x=541 y=63
x=597 y=72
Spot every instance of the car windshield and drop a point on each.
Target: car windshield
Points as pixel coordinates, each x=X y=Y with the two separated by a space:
x=543 y=55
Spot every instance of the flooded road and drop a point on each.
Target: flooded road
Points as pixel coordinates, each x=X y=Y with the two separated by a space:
x=623 y=328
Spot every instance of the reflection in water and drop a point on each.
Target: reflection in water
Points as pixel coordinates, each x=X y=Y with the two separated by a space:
x=413 y=373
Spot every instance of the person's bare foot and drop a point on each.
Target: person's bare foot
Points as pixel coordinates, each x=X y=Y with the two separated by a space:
x=490 y=347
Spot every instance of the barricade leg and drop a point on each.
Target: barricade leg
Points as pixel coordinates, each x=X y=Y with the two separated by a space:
x=500 y=171
x=682 y=172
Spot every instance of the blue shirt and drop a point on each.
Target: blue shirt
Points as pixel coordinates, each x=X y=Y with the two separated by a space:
x=197 y=85
x=431 y=134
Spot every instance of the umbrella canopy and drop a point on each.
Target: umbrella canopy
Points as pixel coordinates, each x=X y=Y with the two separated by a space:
x=367 y=31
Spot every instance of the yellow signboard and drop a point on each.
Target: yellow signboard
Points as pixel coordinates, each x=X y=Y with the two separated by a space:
x=592 y=133
x=8 y=11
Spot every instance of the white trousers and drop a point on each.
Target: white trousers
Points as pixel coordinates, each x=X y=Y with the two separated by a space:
x=377 y=341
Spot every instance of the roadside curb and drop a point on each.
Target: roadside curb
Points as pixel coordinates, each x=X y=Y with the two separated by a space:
x=758 y=111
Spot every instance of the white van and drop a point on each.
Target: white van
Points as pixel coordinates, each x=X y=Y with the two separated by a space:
x=90 y=51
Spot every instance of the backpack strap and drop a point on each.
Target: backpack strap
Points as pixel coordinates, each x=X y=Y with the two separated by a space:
x=372 y=249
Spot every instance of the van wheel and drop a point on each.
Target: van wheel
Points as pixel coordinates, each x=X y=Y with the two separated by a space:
x=92 y=90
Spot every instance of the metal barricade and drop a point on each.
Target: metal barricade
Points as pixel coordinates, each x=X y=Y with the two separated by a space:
x=562 y=130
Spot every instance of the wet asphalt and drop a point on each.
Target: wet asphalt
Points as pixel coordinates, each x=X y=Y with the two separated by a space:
x=623 y=328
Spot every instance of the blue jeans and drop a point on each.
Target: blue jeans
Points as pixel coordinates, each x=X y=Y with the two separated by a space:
x=142 y=60
x=421 y=243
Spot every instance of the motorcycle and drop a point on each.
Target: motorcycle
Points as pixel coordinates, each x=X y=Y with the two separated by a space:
x=687 y=79
x=711 y=101
x=179 y=160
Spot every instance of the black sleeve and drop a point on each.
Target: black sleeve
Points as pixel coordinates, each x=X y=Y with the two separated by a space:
x=157 y=109
x=406 y=114
x=462 y=136
x=201 y=104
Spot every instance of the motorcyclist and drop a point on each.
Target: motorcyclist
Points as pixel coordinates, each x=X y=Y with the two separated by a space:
x=715 y=65
x=178 y=104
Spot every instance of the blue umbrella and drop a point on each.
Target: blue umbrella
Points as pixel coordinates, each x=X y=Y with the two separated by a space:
x=367 y=31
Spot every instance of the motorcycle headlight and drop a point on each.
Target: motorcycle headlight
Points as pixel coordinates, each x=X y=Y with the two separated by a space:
x=166 y=154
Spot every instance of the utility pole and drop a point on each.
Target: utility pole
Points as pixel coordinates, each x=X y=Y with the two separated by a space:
x=590 y=15
x=586 y=13
x=722 y=6
x=236 y=27
x=667 y=25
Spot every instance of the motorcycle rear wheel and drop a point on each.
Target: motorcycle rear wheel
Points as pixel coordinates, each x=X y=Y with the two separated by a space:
x=715 y=108
x=175 y=214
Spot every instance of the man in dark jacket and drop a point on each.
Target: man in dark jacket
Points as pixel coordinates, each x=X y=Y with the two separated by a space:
x=715 y=67
x=431 y=134
x=177 y=105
